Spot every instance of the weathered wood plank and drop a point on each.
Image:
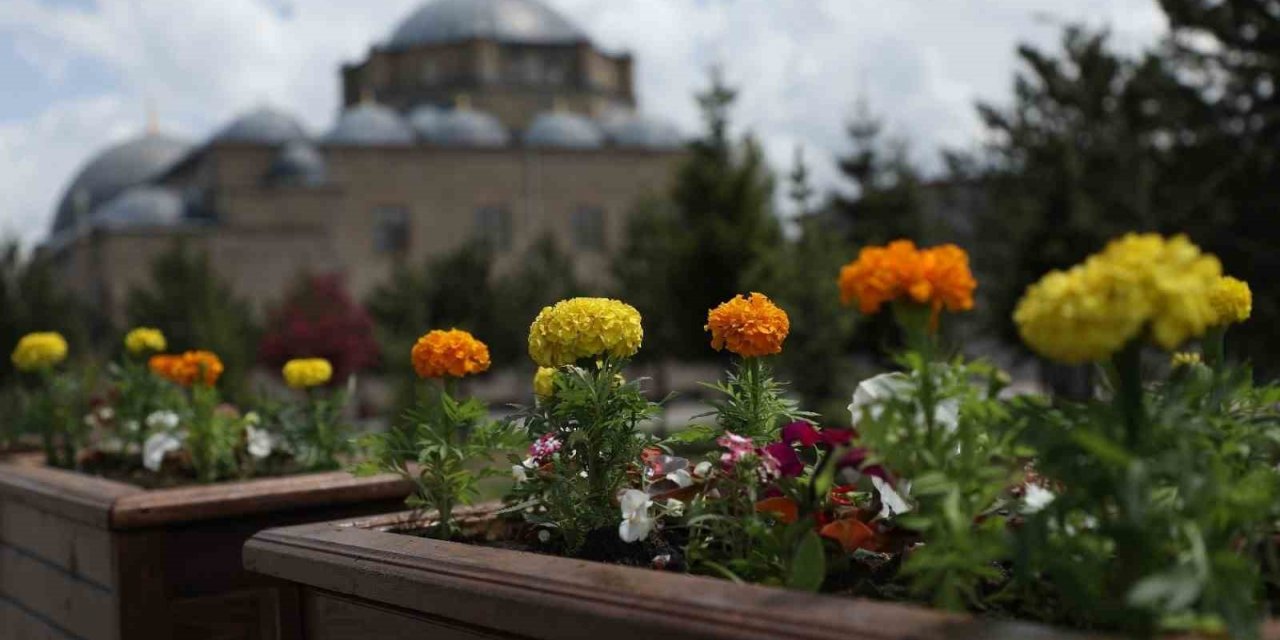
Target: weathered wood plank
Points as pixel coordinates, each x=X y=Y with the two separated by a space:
x=562 y=599
x=235 y=499
x=243 y=615
x=332 y=617
x=82 y=550
x=85 y=610
x=19 y=624
x=77 y=496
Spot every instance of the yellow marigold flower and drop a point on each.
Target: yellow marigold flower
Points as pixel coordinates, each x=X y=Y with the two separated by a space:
x=544 y=382
x=938 y=277
x=455 y=353
x=1185 y=359
x=584 y=328
x=301 y=373
x=1232 y=300
x=42 y=350
x=145 y=340
x=750 y=327
x=1137 y=283
x=204 y=367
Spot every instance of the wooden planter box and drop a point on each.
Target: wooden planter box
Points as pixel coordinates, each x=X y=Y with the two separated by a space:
x=358 y=579
x=84 y=558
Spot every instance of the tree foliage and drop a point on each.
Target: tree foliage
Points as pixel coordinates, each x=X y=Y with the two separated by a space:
x=319 y=319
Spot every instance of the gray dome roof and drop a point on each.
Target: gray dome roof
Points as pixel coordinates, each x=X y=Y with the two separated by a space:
x=426 y=120
x=370 y=124
x=114 y=170
x=469 y=128
x=298 y=163
x=527 y=21
x=645 y=132
x=263 y=125
x=564 y=130
x=141 y=206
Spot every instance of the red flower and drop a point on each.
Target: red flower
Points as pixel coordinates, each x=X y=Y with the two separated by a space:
x=802 y=432
x=789 y=464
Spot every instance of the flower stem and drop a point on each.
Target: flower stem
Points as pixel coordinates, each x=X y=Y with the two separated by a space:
x=1128 y=391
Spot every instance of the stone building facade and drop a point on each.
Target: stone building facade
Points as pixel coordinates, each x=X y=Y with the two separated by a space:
x=492 y=120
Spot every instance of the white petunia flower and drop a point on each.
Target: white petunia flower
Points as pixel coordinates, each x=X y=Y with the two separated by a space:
x=874 y=392
x=636 y=521
x=703 y=469
x=1036 y=498
x=260 y=442
x=681 y=478
x=166 y=420
x=157 y=446
x=519 y=473
x=892 y=504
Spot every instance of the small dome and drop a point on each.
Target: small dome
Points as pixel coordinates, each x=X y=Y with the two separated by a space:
x=298 y=163
x=644 y=132
x=564 y=130
x=370 y=124
x=469 y=128
x=142 y=206
x=426 y=120
x=114 y=170
x=520 y=21
x=263 y=125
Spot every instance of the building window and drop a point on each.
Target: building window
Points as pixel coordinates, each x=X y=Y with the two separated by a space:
x=588 y=228
x=493 y=226
x=391 y=229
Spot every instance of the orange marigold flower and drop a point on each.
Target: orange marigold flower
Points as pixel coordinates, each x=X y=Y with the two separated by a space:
x=750 y=327
x=189 y=368
x=938 y=277
x=454 y=353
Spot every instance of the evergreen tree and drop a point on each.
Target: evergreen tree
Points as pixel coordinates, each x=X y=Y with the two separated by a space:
x=721 y=224
x=543 y=275
x=197 y=310
x=33 y=300
x=888 y=202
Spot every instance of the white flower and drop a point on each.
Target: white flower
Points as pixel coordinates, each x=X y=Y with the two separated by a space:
x=636 y=521
x=157 y=446
x=703 y=469
x=90 y=420
x=675 y=508
x=544 y=536
x=132 y=426
x=166 y=420
x=582 y=474
x=519 y=473
x=874 y=392
x=891 y=503
x=105 y=414
x=1036 y=498
x=260 y=442
x=681 y=478
x=252 y=419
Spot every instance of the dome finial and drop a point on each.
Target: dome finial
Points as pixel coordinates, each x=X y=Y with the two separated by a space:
x=153 y=121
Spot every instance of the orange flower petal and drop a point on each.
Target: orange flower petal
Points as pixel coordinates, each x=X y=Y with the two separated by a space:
x=852 y=534
x=784 y=508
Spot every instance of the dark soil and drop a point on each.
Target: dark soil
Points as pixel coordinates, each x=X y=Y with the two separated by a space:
x=128 y=469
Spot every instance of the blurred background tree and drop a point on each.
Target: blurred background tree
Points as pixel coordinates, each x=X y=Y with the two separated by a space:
x=197 y=310
x=319 y=319
x=31 y=299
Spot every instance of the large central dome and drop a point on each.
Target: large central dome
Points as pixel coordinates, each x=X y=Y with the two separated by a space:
x=526 y=21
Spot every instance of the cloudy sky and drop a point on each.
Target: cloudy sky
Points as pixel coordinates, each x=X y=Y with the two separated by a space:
x=80 y=74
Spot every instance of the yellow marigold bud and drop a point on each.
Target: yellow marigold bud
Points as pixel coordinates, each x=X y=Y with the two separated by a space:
x=750 y=327
x=584 y=328
x=544 y=382
x=1185 y=359
x=454 y=353
x=307 y=372
x=1232 y=300
x=144 y=340
x=1138 y=283
x=42 y=350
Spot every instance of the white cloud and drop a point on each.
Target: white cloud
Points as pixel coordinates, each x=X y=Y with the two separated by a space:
x=800 y=64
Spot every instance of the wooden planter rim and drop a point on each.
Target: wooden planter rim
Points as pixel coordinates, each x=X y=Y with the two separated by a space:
x=116 y=505
x=467 y=584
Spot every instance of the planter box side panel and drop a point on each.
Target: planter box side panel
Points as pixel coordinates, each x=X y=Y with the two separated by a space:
x=57 y=575
x=528 y=595
x=329 y=616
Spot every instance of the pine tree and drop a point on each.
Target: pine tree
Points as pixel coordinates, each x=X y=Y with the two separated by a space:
x=888 y=203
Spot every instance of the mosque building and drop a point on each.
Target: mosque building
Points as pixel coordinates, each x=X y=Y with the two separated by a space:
x=491 y=120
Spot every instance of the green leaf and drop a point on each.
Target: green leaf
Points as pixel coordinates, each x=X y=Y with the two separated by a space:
x=808 y=564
